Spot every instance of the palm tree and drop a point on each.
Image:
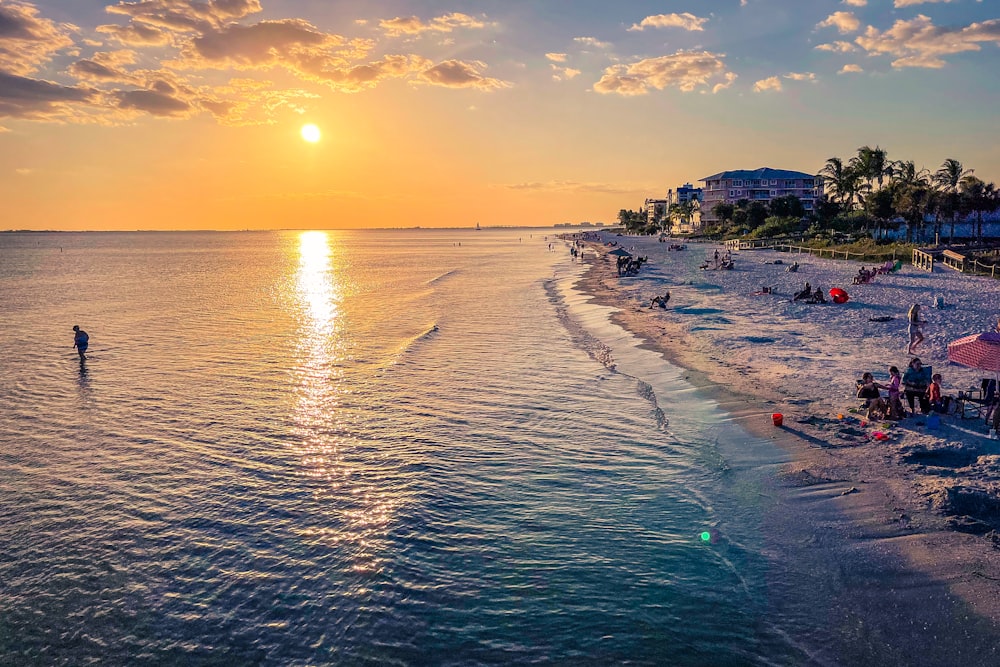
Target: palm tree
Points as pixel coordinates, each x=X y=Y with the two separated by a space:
x=977 y=197
x=912 y=201
x=905 y=172
x=947 y=179
x=873 y=165
x=840 y=182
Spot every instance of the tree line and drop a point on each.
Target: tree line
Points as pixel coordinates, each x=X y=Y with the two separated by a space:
x=866 y=194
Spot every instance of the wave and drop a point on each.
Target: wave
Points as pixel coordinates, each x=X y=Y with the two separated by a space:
x=441 y=277
x=600 y=352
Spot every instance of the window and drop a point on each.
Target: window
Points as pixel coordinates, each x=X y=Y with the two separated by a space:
x=738 y=184
x=774 y=181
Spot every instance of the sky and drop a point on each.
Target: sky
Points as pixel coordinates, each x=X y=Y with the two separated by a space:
x=183 y=114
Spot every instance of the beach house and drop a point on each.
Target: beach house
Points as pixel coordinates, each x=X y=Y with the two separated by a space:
x=760 y=185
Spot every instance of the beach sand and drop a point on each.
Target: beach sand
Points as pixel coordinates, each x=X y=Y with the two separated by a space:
x=911 y=524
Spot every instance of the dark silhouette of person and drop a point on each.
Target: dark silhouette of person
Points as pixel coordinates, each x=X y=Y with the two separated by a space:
x=80 y=341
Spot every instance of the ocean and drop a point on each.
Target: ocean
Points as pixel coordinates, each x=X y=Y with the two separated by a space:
x=406 y=447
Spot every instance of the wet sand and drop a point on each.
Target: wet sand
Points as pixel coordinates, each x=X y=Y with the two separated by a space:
x=894 y=542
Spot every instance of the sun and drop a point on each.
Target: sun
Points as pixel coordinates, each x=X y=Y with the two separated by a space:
x=310 y=133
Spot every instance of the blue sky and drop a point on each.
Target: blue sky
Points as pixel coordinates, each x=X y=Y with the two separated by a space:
x=445 y=112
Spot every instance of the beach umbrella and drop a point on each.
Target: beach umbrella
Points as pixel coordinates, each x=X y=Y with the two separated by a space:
x=621 y=252
x=838 y=295
x=980 y=351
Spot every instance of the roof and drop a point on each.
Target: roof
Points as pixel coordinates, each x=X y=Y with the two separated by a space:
x=763 y=172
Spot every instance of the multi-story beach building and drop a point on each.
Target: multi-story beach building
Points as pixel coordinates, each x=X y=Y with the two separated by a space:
x=656 y=210
x=683 y=194
x=761 y=185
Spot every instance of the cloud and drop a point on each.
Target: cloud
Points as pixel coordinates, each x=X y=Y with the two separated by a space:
x=910 y=3
x=837 y=47
x=106 y=66
x=155 y=102
x=185 y=15
x=856 y=3
x=770 y=83
x=919 y=43
x=685 y=70
x=844 y=22
x=564 y=73
x=28 y=41
x=593 y=42
x=556 y=57
x=34 y=99
x=686 y=21
x=801 y=76
x=136 y=34
x=729 y=79
x=849 y=69
x=412 y=25
x=263 y=44
x=458 y=74
x=572 y=187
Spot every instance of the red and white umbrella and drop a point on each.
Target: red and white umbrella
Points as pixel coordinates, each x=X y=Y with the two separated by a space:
x=980 y=351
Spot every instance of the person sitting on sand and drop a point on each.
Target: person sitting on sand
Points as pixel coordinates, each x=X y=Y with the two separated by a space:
x=660 y=301
x=938 y=402
x=868 y=390
x=793 y=267
x=915 y=381
x=804 y=294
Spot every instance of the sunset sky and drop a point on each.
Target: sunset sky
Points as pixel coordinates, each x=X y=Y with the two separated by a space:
x=179 y=114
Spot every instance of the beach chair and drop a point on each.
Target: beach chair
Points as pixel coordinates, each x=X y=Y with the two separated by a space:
x=887 y=267
x=976 y=402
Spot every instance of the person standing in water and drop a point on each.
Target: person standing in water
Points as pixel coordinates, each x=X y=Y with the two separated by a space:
x=80 y=341
x=913 y=328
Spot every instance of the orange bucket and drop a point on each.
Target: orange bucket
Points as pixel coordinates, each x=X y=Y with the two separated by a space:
x=777 y=418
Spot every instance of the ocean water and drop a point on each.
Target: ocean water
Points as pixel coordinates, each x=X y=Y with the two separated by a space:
x=358 y=447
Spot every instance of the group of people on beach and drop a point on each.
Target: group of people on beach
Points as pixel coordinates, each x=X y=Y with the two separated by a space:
x=917 y=384
x=809 y=295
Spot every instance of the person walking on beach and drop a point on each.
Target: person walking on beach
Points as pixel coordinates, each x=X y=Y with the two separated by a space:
x=80 y=341
x=913 y=328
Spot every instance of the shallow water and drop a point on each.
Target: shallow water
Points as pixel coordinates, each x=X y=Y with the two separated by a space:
x=406 y=447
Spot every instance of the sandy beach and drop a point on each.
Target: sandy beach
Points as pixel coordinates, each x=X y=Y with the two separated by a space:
x=926 y=498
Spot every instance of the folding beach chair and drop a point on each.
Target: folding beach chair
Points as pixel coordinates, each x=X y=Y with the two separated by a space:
x=976 y=403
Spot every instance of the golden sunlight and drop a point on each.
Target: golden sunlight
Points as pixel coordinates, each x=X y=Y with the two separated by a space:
x=311 y=133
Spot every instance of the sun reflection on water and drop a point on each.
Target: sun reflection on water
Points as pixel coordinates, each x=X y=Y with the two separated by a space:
x=358 y=508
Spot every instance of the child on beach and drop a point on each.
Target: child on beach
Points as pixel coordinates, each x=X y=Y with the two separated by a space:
x=895 y=410
x=868 y=390
x=80 y=341
x=938 y=403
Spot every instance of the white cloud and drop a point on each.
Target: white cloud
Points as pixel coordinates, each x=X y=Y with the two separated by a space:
x=556 y=57
x=910 y=3
x=412 y=25
x=856 y=3
x=684 y=70
x=848 y=69
x=837 y=47
x=686 y=21
x=844 y=22
x=593 y=42
x=919 y=43
x=770 y=83
x=729 y=77
x=801 y=76
x=564 y=73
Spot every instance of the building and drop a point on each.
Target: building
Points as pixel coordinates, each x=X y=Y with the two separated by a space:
x=656 y=210
x=761 y=185
x=684 y=193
